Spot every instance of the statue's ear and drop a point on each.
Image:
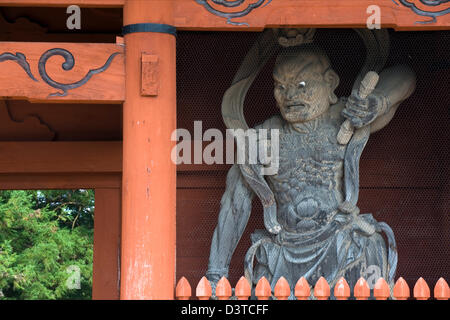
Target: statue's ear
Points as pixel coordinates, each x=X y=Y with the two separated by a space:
x=332 y=79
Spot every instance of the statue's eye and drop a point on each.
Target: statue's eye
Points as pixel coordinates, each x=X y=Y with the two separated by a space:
x=280 y=86
x=302 y=84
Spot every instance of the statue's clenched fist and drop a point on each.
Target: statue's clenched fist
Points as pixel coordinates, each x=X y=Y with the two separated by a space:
x=361 y=112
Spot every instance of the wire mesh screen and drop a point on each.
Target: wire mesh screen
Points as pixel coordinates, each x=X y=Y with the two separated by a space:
x=404 y=169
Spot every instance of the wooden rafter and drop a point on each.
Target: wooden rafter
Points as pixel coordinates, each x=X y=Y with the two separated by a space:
x=64 y=3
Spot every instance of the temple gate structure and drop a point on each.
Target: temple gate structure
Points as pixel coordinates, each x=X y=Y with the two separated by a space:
x=96 y=108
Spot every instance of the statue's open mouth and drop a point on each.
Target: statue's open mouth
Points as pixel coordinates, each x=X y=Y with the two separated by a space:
x=295 y=107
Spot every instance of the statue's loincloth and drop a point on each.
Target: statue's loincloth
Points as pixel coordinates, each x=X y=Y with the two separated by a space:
x=342 y=248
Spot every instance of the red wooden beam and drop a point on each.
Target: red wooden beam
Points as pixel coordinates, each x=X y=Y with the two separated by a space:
x=34 y=71
x=190 y=15
x=60 y=157
x=66 y=181
x=90 y=164
x=306 y=13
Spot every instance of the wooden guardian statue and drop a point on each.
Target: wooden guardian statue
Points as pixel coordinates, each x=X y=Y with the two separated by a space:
x=313 y=226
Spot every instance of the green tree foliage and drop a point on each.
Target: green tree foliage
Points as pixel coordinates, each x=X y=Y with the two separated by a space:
x=46 y=237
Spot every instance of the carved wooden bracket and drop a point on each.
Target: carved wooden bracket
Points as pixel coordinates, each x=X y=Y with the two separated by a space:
x=30 y=129
x=33 y=71
x=150 y=75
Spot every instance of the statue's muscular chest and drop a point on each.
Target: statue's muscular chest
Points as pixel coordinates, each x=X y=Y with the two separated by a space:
x=310 y=151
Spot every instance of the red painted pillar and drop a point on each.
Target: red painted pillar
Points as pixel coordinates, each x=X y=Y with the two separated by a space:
x=149 y=176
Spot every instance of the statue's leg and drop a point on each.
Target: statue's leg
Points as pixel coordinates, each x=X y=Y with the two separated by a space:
x=370 y=264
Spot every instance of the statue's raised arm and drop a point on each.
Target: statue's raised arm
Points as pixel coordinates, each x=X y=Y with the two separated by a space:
x=377 y=100
x=396 y=84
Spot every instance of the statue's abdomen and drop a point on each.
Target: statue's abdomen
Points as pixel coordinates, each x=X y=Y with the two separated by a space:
x=308 y=193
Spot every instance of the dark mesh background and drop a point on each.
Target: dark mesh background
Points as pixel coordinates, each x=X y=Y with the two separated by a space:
x=404 y=172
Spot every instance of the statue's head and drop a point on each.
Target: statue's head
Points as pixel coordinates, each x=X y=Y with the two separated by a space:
x=304 y=83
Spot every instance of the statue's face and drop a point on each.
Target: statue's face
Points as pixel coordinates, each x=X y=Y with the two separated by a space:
x=302 y=90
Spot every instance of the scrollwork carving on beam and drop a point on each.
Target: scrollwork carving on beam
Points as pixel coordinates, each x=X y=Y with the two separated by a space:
x=207 y=4
x=21 y=60
x=427 y=4
x=68 y=65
